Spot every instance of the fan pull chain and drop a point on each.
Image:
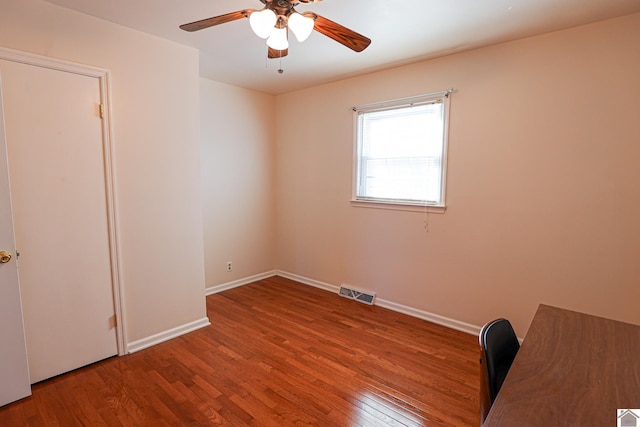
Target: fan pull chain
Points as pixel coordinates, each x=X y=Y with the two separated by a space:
x=280 y=70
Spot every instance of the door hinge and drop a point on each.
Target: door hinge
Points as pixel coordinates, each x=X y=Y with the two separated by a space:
x=102 y=111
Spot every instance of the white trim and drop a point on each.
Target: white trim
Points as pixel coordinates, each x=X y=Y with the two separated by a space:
x=112 y=209
x=409 y=100
x=310 y=282
x=409 y=311
x=445 y=149
x=104 y=81
x=430 y=317
x=392 y=203
x=51 y=63
x=394 y=206
x=240 y=282
x=160 y=337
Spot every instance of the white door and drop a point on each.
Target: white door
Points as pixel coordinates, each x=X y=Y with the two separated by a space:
x=57 y=177
x=14 y=375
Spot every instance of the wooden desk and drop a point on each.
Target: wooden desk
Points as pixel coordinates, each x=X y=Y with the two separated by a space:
x=572 y=369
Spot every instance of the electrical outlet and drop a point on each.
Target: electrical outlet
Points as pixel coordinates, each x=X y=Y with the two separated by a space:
x=229 y=266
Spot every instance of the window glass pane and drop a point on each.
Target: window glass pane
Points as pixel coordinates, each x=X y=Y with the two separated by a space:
x=400 y=153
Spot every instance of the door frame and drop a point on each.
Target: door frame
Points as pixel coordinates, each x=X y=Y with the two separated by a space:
x=104 y=79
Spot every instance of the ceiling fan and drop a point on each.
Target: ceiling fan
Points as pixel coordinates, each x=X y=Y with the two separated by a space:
x=276 y=17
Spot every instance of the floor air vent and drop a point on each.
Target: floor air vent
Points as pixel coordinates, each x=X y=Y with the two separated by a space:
x=357 y=295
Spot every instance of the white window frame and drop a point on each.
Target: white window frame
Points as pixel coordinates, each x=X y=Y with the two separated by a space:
x=398 y=204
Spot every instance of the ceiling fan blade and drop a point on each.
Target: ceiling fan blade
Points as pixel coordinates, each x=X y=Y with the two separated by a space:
x=275 y=53
x=216 y=20
x=339 y=33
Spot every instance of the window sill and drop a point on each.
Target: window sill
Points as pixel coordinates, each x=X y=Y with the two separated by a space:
x=398 y=206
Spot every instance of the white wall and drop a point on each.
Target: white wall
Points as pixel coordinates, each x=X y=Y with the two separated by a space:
x=238 y=140
x=543 y=182
x=156 y=139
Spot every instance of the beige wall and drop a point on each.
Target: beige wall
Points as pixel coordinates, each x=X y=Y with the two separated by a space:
x=542 y=176
x=156 y=121
x=238 y=139
x=543 y=182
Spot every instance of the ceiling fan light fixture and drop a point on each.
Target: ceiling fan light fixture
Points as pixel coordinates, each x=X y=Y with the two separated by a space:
x=272 y=23
x=278 y=39
x=301 y=25
x=262 y=22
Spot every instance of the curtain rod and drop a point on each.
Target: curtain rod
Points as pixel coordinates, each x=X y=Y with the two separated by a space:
x=402 y=101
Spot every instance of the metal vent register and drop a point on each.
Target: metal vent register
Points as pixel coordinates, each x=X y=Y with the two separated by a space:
x=357 y=295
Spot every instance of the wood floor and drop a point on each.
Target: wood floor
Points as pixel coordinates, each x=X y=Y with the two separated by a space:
x=278 y=353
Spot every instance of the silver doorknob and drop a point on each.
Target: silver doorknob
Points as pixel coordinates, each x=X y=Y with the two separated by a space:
x=5 y=257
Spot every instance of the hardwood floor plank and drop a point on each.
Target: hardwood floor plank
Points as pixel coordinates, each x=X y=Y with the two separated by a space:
x=277 y=353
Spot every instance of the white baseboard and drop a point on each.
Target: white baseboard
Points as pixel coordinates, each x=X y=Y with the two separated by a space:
x=240 y=282
x=143 y=343
x=410 y=311
x=430 y=317
x=307 y=281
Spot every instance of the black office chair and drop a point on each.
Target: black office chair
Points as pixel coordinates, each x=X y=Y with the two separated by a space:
x=498 y=347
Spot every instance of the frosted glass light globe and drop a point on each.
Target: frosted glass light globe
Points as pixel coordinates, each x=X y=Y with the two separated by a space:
x=278 y=39
x=262 y=22
x=301 y=25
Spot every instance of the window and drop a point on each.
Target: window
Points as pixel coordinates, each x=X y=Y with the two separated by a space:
x=401 y=151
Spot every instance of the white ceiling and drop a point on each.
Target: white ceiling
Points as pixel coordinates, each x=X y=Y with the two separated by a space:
x=402 y=31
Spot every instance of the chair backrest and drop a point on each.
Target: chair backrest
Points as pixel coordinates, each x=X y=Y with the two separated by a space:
x=498 y=347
